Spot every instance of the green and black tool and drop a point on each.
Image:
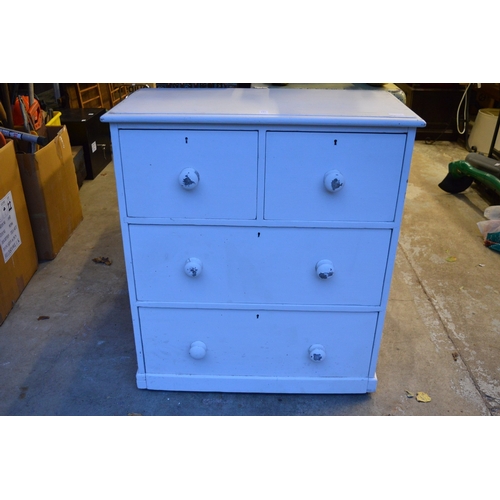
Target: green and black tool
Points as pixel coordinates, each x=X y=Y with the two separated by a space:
x=475 y=167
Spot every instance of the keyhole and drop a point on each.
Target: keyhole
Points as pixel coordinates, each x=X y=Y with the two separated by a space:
x=186 y=139
x=334 y=142
x=258 y=235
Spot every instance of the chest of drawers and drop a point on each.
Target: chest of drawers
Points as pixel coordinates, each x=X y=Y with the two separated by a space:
x=260 y=229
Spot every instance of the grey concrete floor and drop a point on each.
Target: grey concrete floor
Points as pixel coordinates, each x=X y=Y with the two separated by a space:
x=441 y=336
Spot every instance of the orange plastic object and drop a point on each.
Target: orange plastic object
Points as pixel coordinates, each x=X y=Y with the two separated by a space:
x=35 y=115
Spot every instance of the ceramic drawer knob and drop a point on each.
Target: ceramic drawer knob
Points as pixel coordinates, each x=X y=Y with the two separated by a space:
x=193 y=267
x=198 y=350
x=189 y=178
x=317 y=353
x=333 y=181
x=324 y=269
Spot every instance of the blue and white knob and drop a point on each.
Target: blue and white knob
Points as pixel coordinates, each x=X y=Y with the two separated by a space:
x=189 y=178
x=334 y=181
x=193 y=267
x=324 y=269
x=317 y=353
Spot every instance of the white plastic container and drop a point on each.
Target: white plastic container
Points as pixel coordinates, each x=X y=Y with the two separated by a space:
x=492 y=212
x=482 y=130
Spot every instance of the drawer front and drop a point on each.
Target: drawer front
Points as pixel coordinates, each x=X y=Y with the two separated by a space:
x=259 y=343
x=332 y=176
x=190 y=174
x=259 y=265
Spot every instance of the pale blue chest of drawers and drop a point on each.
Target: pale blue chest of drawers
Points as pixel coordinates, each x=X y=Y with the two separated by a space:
x=260 y=229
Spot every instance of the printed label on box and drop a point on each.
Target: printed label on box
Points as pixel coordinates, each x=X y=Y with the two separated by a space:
x=10 y=238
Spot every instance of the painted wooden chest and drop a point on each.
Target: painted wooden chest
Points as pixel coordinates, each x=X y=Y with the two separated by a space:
x=260 y=228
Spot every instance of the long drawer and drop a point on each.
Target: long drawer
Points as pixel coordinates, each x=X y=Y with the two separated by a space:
x=256 y=343
x=216 y=264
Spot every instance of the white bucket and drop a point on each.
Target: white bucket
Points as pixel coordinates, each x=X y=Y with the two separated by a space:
x=482 y=130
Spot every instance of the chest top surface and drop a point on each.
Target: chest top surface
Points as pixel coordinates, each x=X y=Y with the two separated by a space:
x=265 y=107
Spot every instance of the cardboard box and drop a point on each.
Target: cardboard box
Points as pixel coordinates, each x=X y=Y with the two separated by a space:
x=51 y=191
x=18 y=257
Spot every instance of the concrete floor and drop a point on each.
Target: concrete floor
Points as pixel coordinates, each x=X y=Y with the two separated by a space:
x=441 y=336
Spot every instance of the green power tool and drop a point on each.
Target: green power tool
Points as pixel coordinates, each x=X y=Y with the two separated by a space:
x=475 y=167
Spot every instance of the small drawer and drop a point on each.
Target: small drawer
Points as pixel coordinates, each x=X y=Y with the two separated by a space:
x=190 y=174
x=259 y=265
x=332 y=176
x=257 y=343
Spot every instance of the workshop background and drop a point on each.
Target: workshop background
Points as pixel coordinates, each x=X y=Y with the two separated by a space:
x=66 y=342
x=66 y=335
